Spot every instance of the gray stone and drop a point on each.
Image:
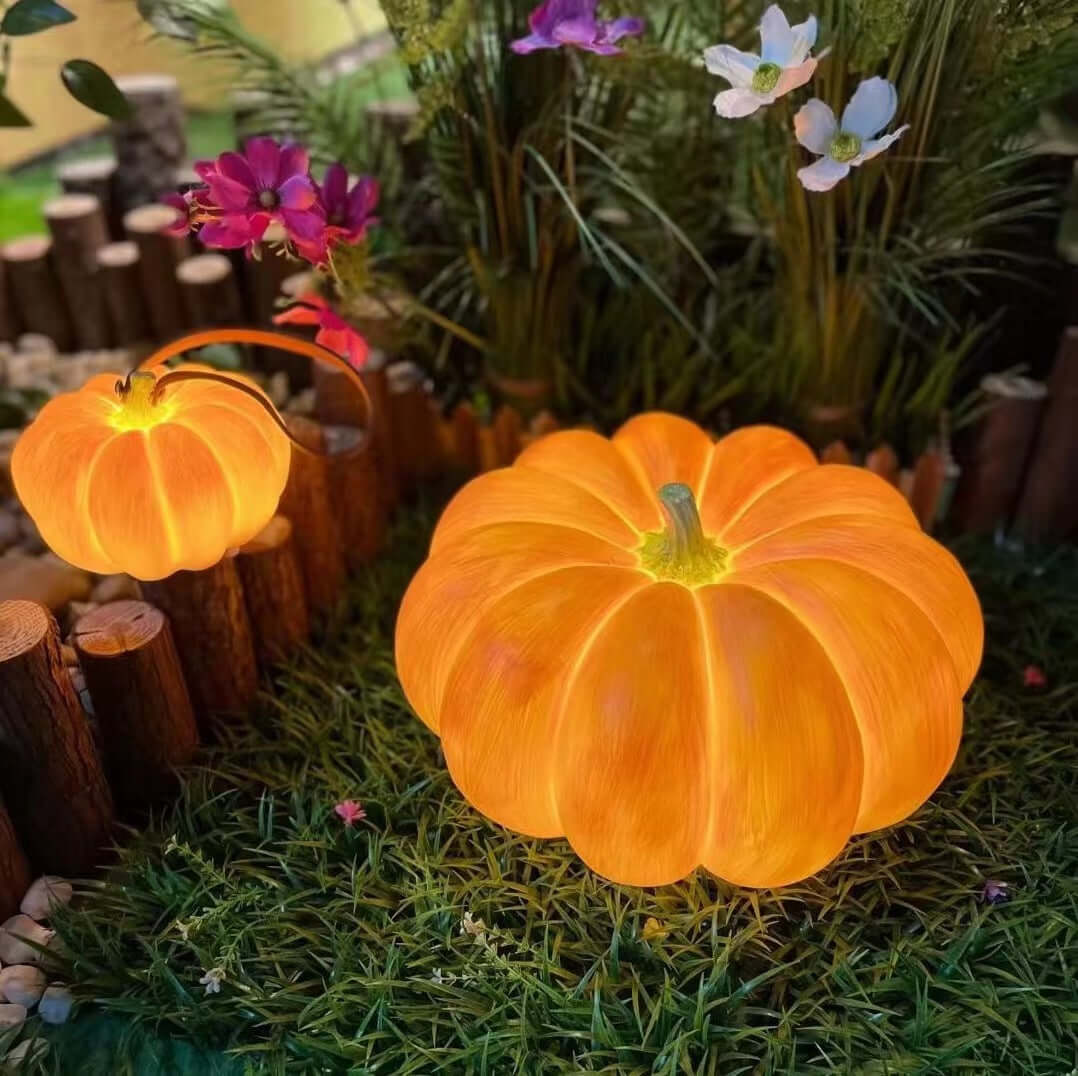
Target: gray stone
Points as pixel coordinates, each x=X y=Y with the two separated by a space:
x=12 y=1016
x=55 y=1005
x=13 y=949
x=115 y=588
x=45 y=579
x=47 y=893
x=22 y=984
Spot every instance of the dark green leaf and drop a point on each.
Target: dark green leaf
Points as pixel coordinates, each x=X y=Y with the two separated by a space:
x=33 y=16
x=92 y=87
x=10 y=115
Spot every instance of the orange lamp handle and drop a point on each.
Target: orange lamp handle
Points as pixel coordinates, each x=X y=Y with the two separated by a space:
x=261 y=338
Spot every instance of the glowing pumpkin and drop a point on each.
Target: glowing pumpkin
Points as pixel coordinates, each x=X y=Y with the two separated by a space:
x=118 y=480
x=741 y=685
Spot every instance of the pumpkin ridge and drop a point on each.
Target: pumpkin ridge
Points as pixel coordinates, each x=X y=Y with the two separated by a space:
x=711 y=719
x=636 y=467
x=807 y=622
x=83 y=497
x=524 y=466
x=963 y=680
x=226 y=474
x=574 y=671
x=171 y=537
x=183 y=415
x=759 y=495
x=517 y=583
x=705 y=474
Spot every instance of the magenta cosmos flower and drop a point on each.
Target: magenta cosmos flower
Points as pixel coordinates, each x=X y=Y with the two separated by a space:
x=573 y=22
x=348 y=213
x=334 y=333
x=266 y=182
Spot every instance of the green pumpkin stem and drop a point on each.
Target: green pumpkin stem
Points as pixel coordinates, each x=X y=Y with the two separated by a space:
x=682 y=553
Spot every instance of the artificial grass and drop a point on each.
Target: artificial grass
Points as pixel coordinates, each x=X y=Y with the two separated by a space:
x=348 y=950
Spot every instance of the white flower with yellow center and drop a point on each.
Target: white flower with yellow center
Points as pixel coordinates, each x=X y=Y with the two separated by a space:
x=784 y=64
x=851 y=143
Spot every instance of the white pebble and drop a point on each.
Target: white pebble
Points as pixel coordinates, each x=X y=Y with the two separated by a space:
x=55 y=1005
x=44 y=895
x=12 y=1016
x=22 y=984
x=13 y=949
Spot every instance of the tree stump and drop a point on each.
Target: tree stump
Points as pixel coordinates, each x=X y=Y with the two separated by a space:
x=489 y=460
x=35 y=289
x=51 y=773
x=508 y=427
x=150 y=145
x=273 y=589
x=211 y=297
x=10 y=325
x=140 y=698
x=466 y=438
x=121 y=282
x=308 y=499
x=836 y=452
x=353 y=478
x=159 y=255
x=995 y=463
x=77 y=224
x=883 y=462
x=15 y=876
x=213 y=636
x=1048 y=507
x=929 y=477
x=96 y=176
x=412 y=426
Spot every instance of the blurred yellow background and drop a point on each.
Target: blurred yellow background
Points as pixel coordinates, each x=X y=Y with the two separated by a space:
x=110 y=33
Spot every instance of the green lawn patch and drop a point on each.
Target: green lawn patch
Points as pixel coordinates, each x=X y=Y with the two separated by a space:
x=349 y=950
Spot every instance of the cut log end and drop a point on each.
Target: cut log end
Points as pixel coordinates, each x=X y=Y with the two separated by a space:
x=23 y=627
x=150 y=219
x=27 y=248
x=117 y=255
x=204 y=269
x=71 y=207
x=118 y=627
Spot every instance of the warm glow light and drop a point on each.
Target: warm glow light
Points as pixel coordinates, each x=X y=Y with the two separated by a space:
x=677 y=652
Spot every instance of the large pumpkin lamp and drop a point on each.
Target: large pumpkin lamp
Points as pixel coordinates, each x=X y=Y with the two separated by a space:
x=162 y=470
x=677 y=652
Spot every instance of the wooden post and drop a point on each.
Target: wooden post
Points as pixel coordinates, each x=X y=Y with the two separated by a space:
x=140 y=699
x=211 y=297
x=929 y=476
x=415 y=440
x=489 y=459
x=376 y=381
x=508 y=426
x=884 y=462
x=96 y=176
x=51 y=773
x=466 y=438
x=151 y=144
x=15 y=876
x=999 y=451
x=836 y=452
x=35 y=289
x=308 y=499
x=77 y=225
x=273 y=590
x=10 y=325
x=159 y=254
x=266 y=276
x=213 y=636
x=353 y=478
x=1048 y=508
x=122 y=284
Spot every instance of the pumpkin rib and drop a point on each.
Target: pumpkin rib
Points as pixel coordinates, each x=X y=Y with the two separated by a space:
x=756 y=497
x=711 y=718
x=84 y=497
x=584 y=489
x=489 y=601
x=966 y=661
x=636 y=467
x=172 y=537
x=806 y=619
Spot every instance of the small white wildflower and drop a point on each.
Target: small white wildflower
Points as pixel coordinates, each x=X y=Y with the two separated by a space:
x=183 y=928
x=439 y=977
x=212 y=980
x=475 y=927
x=784 y=64
x=841 y=148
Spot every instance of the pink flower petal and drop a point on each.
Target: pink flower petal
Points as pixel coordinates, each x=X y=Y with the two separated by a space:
x=231 y=196
x=264 y=157
x=297 y=315
x=294 y=162
x=234 y=167
x=302 y=224
x=335 y=185
x=297 y=193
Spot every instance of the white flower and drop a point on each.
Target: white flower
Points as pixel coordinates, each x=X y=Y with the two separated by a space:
x=761 y=80
x=475 y=927
x=841 y=148
x=212 y=980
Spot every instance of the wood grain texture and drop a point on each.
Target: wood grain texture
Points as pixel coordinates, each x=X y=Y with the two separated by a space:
x=213 y=636
x=140 y=697
x=50 y=770
x=78 y=228
x=274 y=592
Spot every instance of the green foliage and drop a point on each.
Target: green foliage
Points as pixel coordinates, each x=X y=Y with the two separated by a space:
x=33 y=16
x=346 y=950
x=91 y=86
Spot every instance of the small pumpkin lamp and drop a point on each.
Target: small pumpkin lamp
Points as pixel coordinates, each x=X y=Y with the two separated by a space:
x=677 y=652
x=162 y=470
